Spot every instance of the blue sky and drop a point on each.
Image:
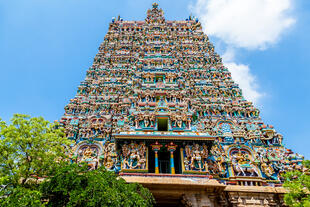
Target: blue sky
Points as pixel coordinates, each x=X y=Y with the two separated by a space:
x=46 y=46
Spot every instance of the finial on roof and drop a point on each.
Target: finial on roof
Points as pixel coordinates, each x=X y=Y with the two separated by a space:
x=155 y=14
x=155 y=5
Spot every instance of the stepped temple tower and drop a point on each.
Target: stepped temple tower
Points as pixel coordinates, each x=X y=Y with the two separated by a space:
x=159 y=107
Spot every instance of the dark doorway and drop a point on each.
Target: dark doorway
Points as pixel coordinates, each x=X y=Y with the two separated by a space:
x=177 y=161
x=162 y=124
x=164 y=161
x=151 y=161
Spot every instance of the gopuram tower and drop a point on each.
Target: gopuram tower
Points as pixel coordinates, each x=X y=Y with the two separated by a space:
x=159 y=107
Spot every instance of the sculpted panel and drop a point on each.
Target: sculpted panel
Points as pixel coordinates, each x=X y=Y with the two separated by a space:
x=134 y=157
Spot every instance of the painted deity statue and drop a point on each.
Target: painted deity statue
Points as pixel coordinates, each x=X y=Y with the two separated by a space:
x=134 y=156
x=89 y=155
x=196 y=158
x=219 y=157
x=243 y=165
x=110 y=155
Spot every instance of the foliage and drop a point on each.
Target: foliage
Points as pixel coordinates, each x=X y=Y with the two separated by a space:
x=30 y=148
x=298 y=185
x=33 y=148
x=74 y=185
x=22 y=196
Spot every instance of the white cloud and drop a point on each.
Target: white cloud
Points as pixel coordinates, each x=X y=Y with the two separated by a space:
x=241 y=74
x=251 y=24
x=229 y=55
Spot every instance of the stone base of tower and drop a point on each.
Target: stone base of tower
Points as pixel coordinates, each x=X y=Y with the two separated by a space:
x=201 y=192
x=254 y=196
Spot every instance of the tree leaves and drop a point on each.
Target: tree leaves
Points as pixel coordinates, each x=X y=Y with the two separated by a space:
x=74 y=185
x=298 y=185
x=29 y=148
x=32 y=149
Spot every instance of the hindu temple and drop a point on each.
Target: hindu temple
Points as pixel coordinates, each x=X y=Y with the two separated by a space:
x=158 y=107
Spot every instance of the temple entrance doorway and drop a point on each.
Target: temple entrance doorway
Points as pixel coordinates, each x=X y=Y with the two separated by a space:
x=164 y=162
x=177 y=161
x=164 y=159
x=151 y=161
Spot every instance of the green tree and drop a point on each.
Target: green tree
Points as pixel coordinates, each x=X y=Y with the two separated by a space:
x=35 y=171
x=298 y=185
x=74 y=185
x=30 y=148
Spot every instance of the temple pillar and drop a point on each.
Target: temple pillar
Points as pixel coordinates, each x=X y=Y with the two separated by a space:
x=156 y=147
x=156 y=162
x=171 y=148
x=172 y=162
